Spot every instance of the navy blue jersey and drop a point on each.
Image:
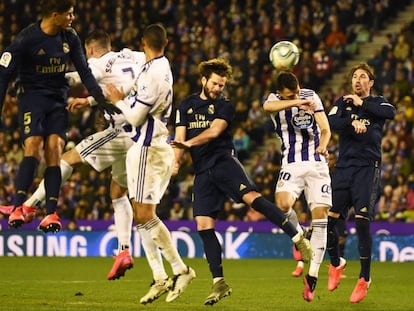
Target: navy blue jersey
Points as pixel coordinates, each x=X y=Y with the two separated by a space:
x=360 y=149
x=196 y=115
x=39 y=62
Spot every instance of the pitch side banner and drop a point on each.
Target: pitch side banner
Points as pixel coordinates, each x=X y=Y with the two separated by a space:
x=236 y=245
x=386 y=228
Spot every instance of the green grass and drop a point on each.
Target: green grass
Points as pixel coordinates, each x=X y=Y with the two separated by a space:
x=55 y=283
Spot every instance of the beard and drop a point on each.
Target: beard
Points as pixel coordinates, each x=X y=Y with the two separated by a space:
x=210 y=94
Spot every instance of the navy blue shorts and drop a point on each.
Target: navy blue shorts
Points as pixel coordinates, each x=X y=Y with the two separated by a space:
x=42 y=116
x=211 y=187
x=357 y=187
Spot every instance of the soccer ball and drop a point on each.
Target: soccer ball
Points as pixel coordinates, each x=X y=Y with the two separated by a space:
x=284 y=55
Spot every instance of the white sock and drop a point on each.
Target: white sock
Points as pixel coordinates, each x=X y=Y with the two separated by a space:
x=162 y=238
x=123 y=217
x=318 y=243
x=293 y=218
x=153 y=255
x=40 y=194
x=215 y=280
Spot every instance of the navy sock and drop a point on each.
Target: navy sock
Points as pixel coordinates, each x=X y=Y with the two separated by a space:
x=362 y=227
x=213 y=251
x=275 y=215
x=53 y=179
x=342 y=235
x=332 y=241
x=24 y=179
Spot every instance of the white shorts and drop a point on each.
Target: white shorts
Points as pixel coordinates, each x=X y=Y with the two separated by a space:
x=107 y=148
x=311 y=177
x=149 y=171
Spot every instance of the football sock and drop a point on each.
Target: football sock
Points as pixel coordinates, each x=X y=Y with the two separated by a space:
x=342 y=234
x=213 y=252
x=123 y=217
x=300 y=264
x=332 y=241
x=311 y=282
x=293 y=218
x=153 y=255
x=24 y=179
x=341 y=246
x=275 y=215
x=40 y=194
x=53 y=180
x=162 y=238
x=318 y=243
x=362 y=227
x=215 y=280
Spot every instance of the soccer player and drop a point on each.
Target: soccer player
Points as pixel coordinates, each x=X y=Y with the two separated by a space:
x=203 y=125
x=359 y=119
x=301 y=123
x=104 y=149
x=39 y=57
x=150 y=159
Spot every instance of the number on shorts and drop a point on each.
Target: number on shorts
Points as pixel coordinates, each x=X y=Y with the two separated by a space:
x=284 y=175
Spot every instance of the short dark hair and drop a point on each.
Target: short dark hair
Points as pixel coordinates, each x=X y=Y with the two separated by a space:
x=101 y=37
x=286 y=80
x=218 y=66
x=59 y=6
x=155 y=36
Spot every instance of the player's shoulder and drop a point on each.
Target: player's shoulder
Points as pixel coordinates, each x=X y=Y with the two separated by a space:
x=101 y=61
x=28 y=32
x=191 y=98
x=305 y=92
x=71 y=32
x=223 y=100
x=272 y=96
x=378 y=98
x=156 y=68
x=136 y=56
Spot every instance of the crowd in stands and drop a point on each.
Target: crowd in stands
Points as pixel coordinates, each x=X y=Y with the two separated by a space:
x=327 y=33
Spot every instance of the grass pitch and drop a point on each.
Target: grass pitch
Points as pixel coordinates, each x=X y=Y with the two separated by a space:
x=56 y=283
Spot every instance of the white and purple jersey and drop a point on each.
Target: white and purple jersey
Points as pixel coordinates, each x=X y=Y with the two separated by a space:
x=148 y=106
x=298 y=130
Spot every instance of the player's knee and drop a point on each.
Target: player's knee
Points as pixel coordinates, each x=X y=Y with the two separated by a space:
x=284 y=203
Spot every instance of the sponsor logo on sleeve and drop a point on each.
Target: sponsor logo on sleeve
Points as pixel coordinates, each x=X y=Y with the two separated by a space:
x=5 y=59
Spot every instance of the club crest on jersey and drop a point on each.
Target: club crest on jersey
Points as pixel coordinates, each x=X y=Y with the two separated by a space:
x=190 y=111
x=65 y=48
x=210 y=109
x=302 y=120
x=5 y=59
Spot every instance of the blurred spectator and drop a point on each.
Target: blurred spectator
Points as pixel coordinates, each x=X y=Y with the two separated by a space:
x=72 y=225
x=384 y=204
x=255 y=123
x=322 y=63
x=177 y=211
x=401 y=49
x=241 y=143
